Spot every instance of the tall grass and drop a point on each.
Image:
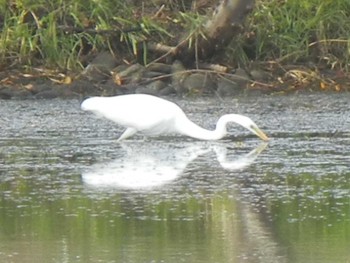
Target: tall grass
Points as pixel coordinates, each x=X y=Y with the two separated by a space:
x=291 y=31
x=53 y=33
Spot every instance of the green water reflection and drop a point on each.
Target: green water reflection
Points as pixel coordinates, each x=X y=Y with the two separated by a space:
x=88 y=230
x=312 y=216
x=308 y=222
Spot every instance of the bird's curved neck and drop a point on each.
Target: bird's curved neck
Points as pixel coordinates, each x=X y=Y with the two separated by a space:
x=189 y=128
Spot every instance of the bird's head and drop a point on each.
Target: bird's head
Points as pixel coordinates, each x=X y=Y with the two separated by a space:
x=247 y=123
x=250 y=125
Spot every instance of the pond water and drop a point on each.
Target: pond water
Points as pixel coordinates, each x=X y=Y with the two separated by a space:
x=70 y=193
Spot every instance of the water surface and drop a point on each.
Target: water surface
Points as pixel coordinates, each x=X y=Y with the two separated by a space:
x=71 y=193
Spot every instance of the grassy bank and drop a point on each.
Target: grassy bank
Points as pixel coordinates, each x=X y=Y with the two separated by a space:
x=52 y=32
x=302 y=31
x=64 y=33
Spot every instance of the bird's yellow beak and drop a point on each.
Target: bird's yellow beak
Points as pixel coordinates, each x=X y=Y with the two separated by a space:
x=261 y=134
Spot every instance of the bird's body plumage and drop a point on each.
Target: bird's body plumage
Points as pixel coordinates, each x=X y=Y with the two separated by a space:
x=151 y=115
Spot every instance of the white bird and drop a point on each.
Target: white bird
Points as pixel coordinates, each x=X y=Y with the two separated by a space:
x=151 y=115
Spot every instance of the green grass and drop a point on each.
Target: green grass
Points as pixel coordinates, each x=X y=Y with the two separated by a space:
x=294 y=31
x=54 y=33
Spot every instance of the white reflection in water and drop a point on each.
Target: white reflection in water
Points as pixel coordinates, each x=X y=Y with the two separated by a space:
x=239 y=162
x=154 y=165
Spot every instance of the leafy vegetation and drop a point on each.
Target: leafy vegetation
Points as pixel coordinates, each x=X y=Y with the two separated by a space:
x=59 y=33
x=63 y=33
x=302 y=31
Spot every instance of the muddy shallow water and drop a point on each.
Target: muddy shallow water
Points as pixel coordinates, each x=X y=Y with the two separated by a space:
x=71 y=193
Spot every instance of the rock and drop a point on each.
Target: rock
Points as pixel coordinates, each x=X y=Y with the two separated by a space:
x=51 y=91
x=160 y=67
x=233 y=84
x=84 y=87
x=131 y=74
x=119 y=68
x=260 y=75
x=145 y=90
x=152 y=88
x=168 y=90
x=227 y=87
x=240 y=77
x=199 y=83
x=178 y=75
x=152 y=74
x=109 y=88
x=23 y=94
x=39 y=87
x=156 y=85
x=100 y=67
x=7 y=93
x=47 y=94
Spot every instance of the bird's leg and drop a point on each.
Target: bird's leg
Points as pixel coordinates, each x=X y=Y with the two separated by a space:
x=127 y=133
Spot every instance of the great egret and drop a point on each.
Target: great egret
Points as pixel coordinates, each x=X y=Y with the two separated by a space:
x=151 y=115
